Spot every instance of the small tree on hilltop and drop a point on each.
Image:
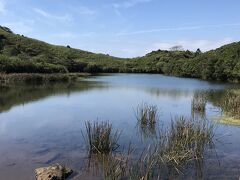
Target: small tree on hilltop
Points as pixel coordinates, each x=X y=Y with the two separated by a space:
x=177 y=48
x=198 y=51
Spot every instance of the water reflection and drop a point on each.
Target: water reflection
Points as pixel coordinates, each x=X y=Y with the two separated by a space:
x=11 y=95
x=42 y=124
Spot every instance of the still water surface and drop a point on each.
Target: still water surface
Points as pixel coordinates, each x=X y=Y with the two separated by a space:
x=42 y=124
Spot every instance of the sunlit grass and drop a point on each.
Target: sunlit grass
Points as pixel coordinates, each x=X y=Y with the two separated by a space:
x=227 y=120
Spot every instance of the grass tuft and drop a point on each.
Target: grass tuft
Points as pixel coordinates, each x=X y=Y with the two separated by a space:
x=100 y=137
x=182 y=144
x=185 y=141
x=146 y=114
x=198 y=104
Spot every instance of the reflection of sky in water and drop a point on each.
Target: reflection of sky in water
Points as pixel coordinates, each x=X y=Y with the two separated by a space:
x=56 y=121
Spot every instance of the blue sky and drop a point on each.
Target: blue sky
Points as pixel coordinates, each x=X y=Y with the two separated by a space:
x=125 y=28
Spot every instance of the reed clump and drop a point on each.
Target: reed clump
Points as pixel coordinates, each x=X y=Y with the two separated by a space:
x=199 y=104
x=185 y=141
x=147 y=118
x=115 y=167
x=146 y=114
x=101 y=138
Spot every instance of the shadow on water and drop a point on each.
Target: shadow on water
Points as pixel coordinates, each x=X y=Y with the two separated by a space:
x=13 y=95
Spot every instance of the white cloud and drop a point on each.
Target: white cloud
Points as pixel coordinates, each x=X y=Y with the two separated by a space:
x=85 y=10
x=71 y=35
x=2 y=7
x=129 y=3
x=177 y=29
x=193 y=45
x=47 y=15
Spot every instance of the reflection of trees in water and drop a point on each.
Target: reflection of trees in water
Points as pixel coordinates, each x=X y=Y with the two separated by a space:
x=174 y=93
x=198 y=105
x=13 y=95
x=227 y=100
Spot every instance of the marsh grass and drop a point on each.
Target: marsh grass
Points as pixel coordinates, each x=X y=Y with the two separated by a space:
x=116 y=166
x=125 y=165
x=112 y=166
x=185 y=141
x=146 y=114
x=199 y=104
x=146 y=167
x=100 y=137
x=147 y=118
x=231 y=104
x=180 y=145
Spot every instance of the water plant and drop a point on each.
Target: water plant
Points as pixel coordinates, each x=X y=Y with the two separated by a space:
x=231 y=103
x=115 y=166
x=145 y=167
x=101 y=138
x=181 y=144
x=185 y=141
x=146 y=114
x=199 y=103
x=147 y=117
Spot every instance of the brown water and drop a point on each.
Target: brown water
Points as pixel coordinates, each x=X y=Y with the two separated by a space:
x=42 y=124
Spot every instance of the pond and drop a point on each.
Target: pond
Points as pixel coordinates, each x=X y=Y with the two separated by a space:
x=43 y=124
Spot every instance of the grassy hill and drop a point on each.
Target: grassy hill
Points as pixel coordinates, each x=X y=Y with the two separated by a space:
x=19 y=54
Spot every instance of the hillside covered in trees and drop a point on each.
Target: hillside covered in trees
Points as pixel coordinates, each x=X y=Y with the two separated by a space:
x=19 y=54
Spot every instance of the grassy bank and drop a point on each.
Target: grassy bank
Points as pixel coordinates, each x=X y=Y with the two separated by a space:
x=40 y=78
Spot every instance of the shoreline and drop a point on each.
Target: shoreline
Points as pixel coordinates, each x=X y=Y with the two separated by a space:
x=40 y=78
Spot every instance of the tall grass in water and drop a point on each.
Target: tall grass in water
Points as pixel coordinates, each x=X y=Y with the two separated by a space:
x=180 y=145
x=185 y=141
x=126 y=166
x=100 y=137
x=146 y=114
x=146 y=166
x=147 y=117
x=112 y=166
x=199 y=104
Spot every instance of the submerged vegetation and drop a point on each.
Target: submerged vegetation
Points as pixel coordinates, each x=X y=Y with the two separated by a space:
x=19 y=54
